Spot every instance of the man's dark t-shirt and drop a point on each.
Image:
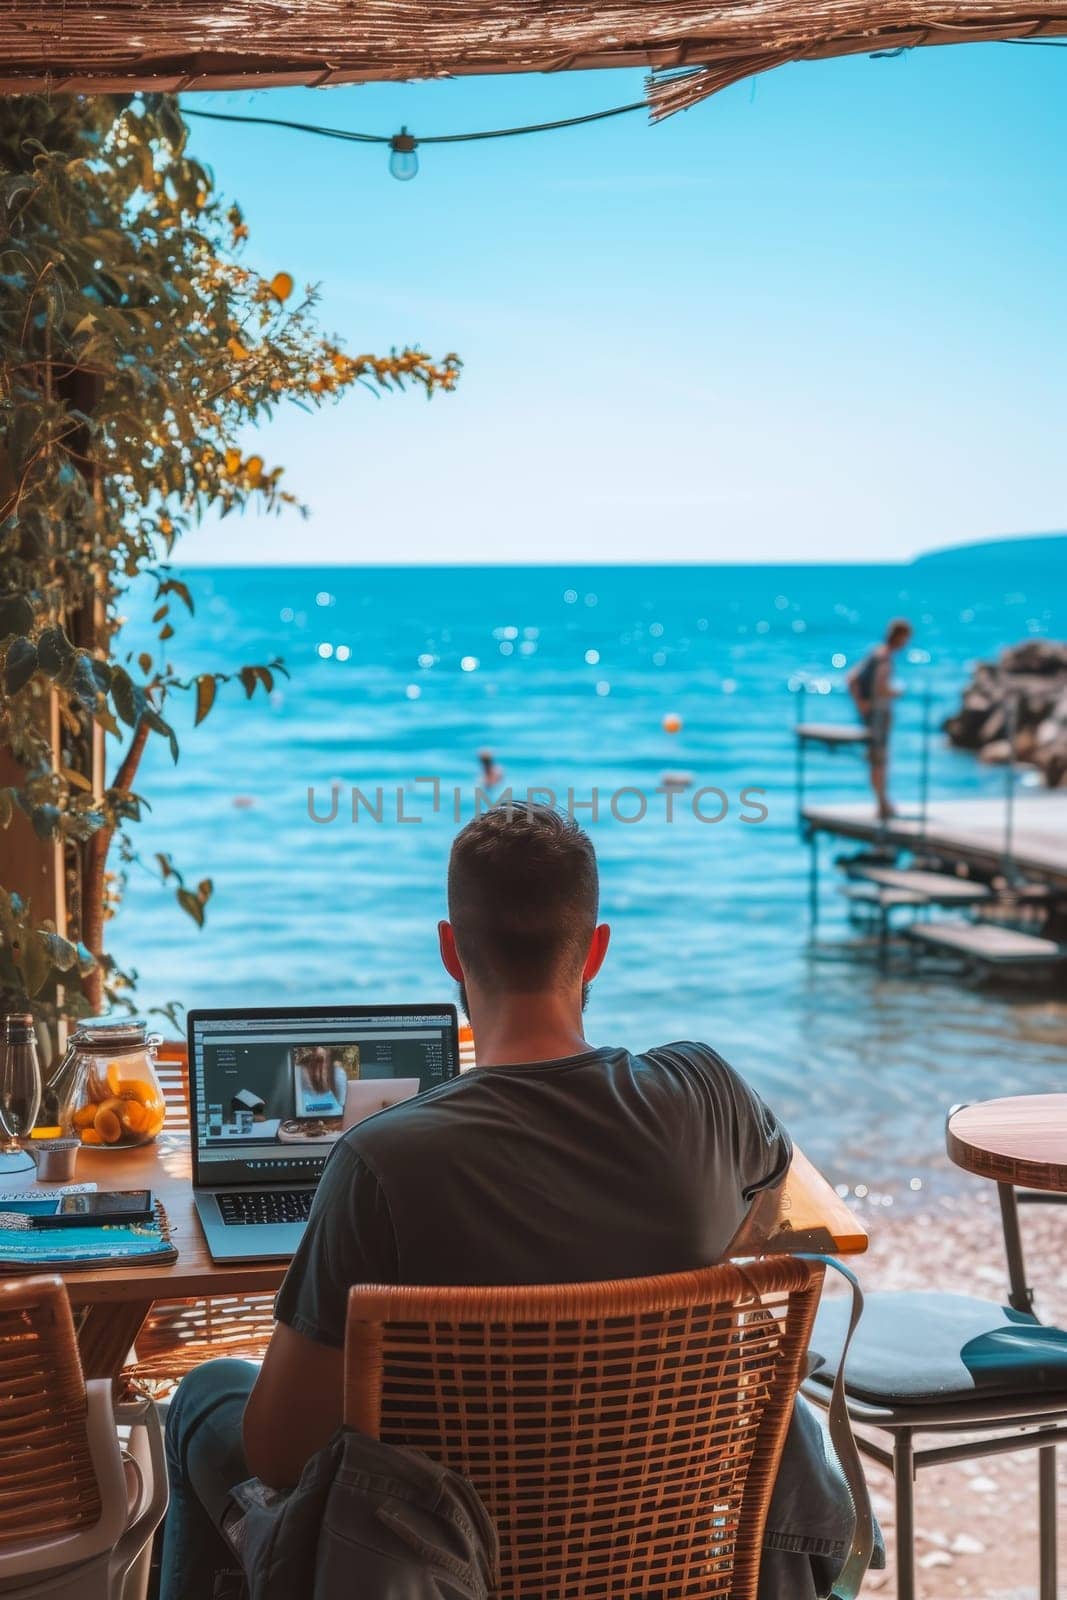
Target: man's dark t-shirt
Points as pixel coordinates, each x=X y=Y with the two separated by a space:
x=602 y=1165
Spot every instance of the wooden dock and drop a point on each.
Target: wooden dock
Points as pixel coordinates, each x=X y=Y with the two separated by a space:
x=972 y=833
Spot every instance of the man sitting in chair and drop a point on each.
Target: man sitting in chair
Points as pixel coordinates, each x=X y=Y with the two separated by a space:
x=553 y=1161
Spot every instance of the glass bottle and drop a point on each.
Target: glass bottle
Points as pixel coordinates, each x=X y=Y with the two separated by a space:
x=20 y=1090
x=106 y=1088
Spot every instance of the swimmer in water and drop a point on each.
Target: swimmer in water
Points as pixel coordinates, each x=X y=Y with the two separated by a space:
x=492 y=775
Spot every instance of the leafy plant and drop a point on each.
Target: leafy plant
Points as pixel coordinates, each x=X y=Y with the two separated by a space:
x=136 y=345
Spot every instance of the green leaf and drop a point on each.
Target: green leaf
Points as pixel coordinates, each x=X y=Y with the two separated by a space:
x=171 y=124
x=20 y=666
x=166 y=632
x=54 y=651
x=176 y=586
x=159 y=613
x=83 y=679
x=61 y=953
x=131 y=702
x=164 y=729
x=206 y=690
x=192 y=904
x=16 y=615
x=45 y=820
x=34 y=963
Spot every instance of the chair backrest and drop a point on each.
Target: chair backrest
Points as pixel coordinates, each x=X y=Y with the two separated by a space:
x=172 y=1070
x=48 y=1484
x=623 y=1436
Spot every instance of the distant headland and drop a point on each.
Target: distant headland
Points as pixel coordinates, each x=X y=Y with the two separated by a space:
x=1028 y=549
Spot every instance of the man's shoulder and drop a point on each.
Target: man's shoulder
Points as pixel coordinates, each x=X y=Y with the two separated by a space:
x=690 y=1056
x=694 y=1068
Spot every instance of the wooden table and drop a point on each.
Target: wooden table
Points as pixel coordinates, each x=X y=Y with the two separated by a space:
x=805 y=1214
x=1021 y=1141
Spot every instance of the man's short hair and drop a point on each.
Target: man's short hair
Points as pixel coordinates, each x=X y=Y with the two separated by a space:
x=898 y=630
x=523 y=892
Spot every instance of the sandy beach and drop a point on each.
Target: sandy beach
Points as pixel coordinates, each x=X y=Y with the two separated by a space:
x=976 y=1521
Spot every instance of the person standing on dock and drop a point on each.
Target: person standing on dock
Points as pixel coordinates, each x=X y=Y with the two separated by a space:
x=871 y=686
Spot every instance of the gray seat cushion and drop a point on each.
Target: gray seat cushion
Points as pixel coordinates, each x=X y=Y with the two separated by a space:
x=921 y=1349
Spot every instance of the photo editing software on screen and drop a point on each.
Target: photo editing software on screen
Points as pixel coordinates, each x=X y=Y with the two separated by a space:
x=270 y=1092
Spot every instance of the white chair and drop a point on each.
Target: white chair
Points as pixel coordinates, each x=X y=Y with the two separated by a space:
x=77 y=1509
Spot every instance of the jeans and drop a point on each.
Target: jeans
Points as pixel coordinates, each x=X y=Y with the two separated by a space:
x=205 y=1459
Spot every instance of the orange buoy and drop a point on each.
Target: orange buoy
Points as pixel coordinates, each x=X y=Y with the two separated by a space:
x=672 y=722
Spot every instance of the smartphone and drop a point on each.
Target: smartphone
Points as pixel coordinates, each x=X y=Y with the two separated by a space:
x=94 y=1210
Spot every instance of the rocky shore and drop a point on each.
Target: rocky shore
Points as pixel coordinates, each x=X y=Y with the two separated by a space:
x=1027 y=685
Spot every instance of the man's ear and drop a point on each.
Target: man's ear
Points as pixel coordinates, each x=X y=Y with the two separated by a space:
x=447 y=941
x=598 y=949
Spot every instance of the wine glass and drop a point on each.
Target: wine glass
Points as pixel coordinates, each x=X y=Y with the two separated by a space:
x=20 y=1091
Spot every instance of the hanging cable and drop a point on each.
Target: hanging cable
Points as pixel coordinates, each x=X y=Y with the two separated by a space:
x=403 y=159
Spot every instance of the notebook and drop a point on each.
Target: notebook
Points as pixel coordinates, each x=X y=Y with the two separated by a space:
x=121 y=1244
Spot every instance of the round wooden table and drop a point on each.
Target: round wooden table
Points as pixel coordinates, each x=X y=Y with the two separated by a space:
x=1021 y=1141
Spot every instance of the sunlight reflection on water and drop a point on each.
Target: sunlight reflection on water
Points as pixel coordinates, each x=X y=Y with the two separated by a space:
x=710 y=921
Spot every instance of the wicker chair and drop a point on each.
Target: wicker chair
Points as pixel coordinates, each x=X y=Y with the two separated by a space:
x=623 y=1436
x=75 y=1512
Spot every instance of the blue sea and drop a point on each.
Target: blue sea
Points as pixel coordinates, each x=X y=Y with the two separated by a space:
x=400 y=676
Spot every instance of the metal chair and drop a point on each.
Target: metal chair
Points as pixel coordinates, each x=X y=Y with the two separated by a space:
x=624 y=1437
x=76 y=1510
x=930 y=1363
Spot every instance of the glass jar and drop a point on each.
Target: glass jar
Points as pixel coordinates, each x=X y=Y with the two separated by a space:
x=106 y=1090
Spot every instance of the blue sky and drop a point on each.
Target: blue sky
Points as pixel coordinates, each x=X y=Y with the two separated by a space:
x=817 y=318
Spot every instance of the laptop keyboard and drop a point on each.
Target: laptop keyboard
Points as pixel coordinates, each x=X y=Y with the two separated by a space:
x=276 y=1205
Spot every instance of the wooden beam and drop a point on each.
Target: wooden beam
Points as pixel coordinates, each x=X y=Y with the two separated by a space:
x=120 y=71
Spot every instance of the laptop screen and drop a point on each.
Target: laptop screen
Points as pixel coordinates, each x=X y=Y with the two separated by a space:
x=267 y=1088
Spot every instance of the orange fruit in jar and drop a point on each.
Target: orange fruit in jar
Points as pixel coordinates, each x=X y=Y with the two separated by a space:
x=107 y=1125
x=85 y=1115
x=131 y=1088
x=155 y=1122
x=134 y=1117
x=90 y=1136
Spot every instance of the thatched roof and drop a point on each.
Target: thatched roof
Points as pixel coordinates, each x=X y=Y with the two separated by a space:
x=694 y=48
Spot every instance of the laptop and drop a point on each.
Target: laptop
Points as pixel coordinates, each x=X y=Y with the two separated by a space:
x=270 y=1093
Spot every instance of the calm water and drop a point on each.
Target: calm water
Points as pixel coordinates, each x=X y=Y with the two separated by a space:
x=566 y=675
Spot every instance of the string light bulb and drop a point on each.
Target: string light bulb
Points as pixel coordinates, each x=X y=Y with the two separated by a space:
x=403 y=162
